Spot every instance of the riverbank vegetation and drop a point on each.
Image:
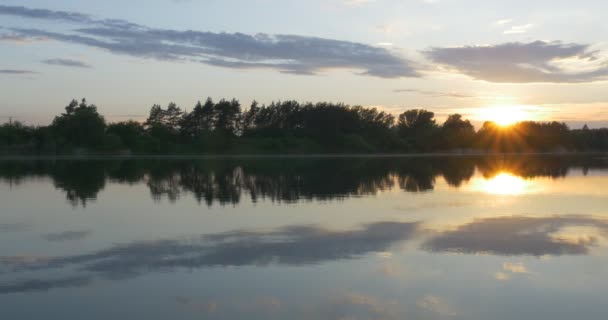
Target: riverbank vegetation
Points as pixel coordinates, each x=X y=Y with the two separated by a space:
x=287 y=127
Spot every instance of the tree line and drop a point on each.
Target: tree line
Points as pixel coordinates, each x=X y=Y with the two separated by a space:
x=285 y=127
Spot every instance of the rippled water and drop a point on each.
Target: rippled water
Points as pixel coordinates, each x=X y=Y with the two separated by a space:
x=305 y=238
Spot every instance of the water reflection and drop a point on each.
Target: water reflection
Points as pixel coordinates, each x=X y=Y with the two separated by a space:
x=520 y=235
x=302 y=245
x=294 y=245
x=505 y=183
x=420 y=238
x=226 y=181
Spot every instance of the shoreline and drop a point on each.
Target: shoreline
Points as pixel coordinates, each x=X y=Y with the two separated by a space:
x=296 y=156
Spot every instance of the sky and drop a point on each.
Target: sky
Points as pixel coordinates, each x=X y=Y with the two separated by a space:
x=542 y=60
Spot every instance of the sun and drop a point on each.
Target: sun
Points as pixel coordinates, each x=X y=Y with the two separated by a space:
x=504 y=115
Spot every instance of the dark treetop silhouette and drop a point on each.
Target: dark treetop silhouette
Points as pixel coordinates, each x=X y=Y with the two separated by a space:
x=285 y=127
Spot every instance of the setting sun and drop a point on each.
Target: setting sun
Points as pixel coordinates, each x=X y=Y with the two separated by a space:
x=505 y=115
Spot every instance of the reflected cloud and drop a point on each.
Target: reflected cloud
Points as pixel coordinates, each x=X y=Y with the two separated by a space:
x=13 y=227
x=295 y=245
x=67 y=236
x=355 y=305
x=518 y=235
x=37 y=285
x=436 y=305
x=208 y=307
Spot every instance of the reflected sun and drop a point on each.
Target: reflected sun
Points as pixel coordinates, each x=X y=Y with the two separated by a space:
x=505 y=115
x=505 y=184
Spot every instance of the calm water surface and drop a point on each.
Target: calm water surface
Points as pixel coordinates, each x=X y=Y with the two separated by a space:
x=305 y=238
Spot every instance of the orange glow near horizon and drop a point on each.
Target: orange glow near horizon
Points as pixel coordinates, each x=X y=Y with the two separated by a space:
x=504 y=184
x=505 y=115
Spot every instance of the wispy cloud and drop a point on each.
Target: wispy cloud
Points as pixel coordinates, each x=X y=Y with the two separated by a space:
x=67 y=63
x=436 y=94
x=519 y=29
x=517 y=62
x=509 y=269
x=286 y=53
x=357 y=2
x=502 y=22
x=16 y=71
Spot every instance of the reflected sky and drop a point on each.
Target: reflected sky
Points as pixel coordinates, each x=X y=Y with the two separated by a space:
x=329 y=238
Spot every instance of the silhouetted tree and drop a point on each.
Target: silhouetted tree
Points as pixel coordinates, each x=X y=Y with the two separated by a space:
x=200 y=120
x=457 y=133
x=419 y=128
x=227 y=115
x=80 y=125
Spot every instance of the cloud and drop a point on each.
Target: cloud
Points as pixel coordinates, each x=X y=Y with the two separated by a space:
x=519 y=29
x=509 y=269
x=16 y=71
x=356 y=3
x=435 y=94
x=24 y=12
x=502 y=276
x=292 y=54
x=514 y=267
x=67 y=63
x=12 y=37
x=517 y=235
x=503 y=22
x=67 y=236
x=517 y=62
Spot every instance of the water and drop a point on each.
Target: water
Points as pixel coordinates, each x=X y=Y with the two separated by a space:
x=305 y=238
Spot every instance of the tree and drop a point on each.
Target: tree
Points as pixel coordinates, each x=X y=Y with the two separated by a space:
x=456 y=132
x=169 y=118
x=248 y=118
x=200 y=120
x=227 y=116
x=418 y=128
x=130 y=133
x=80 y=125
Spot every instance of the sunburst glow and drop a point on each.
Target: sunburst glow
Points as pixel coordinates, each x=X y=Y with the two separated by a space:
x=505 y=115
x=505 y=184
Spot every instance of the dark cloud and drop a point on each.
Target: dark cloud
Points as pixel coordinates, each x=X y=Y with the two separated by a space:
x=296 y=245
x=286 y=53
x=16 y=71
x=24 y=12
x=67 y=63
x=517 y=235
x=436 y=94
x=67 y=236
x=520 y=62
